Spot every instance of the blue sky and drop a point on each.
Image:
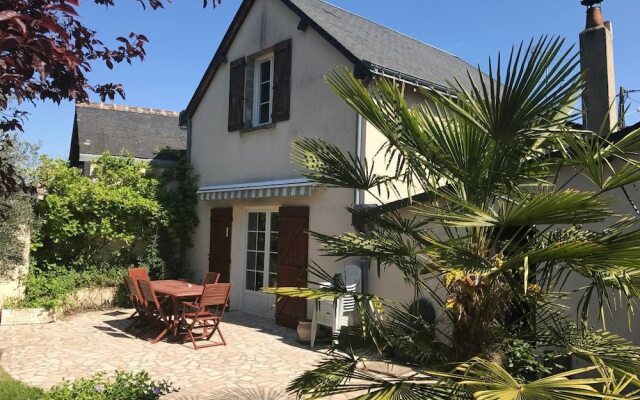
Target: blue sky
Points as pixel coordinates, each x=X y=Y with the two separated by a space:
x=184 y=37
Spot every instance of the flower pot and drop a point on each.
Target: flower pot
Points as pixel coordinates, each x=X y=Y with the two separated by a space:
x=304 y=331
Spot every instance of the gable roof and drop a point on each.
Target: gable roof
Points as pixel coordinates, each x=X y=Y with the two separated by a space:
x=382 y=49
x=142 y=132
x=371 y=47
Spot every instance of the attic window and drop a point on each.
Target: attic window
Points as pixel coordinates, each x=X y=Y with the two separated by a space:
x=260 y=88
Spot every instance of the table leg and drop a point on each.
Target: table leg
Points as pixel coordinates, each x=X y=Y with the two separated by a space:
x=314 y=323
x=175 y=317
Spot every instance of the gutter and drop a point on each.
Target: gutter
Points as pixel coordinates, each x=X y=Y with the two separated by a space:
x=408 y=79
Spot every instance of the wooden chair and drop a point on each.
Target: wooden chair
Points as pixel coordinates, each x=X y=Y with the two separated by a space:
x=136 y=300
x=156 y=314
x=138 y=274
x=206 y=314
x=211 y=278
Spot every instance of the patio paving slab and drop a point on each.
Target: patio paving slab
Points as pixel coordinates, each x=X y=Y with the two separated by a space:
x=259 y=361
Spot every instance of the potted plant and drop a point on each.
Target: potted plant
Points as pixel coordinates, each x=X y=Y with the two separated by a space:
x=304 y=330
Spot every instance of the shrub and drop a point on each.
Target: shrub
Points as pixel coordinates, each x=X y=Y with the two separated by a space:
x=124 y=386
x=153 y=260
x=16 y=214
x=178 y=197
x=522 y=360
x=119 y=215
x=106 y=218
x=50 y=286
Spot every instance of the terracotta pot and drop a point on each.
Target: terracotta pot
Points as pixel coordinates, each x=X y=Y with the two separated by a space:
x=304 y=331
x=594 y=17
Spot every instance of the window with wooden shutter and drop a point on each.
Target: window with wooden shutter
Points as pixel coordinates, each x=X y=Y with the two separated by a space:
x=282 y=81
x=236 y=94
x=293 y=248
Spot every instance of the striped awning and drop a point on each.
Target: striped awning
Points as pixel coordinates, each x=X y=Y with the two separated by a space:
x=257 y=190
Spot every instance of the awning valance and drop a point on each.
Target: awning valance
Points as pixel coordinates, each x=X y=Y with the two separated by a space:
x=258 y=190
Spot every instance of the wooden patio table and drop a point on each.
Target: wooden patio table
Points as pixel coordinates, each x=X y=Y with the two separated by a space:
x=178 y=291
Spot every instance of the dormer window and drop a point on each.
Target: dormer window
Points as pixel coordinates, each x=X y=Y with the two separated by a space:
x=263 y=90
x=260 y=88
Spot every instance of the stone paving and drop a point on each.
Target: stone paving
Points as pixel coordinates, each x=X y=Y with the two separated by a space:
x=260 y=358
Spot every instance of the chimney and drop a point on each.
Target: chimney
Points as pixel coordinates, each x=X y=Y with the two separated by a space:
x=596 y=60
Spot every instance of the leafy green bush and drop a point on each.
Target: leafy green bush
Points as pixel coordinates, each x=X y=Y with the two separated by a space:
x=124 y=386
x=178 y=187
x=154 y=261
x=106 y=218
x=51 y=287
x=121 y=215
x=16 y=214
x=522 y=360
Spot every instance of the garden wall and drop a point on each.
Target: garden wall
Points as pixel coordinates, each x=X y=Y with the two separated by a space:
x=92 y=298
x=11 y=286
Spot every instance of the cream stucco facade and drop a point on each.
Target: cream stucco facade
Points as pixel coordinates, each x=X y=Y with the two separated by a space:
x=222 y=157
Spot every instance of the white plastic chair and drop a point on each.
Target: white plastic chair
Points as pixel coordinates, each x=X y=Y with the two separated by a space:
x=336 y=314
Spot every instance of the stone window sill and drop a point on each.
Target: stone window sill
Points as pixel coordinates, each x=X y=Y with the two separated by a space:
x=256 y=128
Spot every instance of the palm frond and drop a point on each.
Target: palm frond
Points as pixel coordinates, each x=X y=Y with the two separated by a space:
x=607 y=348
x=564 y=207
x=489 y=381
x=326 y=163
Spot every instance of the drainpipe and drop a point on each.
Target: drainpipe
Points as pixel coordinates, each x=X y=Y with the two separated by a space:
x=358 y=203
x=357 y=199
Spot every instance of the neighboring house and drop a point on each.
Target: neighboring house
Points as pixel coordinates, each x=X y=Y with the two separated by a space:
x=146 y=134
x=263 y=89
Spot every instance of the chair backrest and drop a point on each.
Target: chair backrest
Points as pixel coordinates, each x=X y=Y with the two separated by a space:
x=210 y=278
x=138 y=274
x=132 y=288
x=352 y=275
x=216 y=294
x=148 y=294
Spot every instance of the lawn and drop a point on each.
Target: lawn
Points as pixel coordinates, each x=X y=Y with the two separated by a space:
x=13 y=389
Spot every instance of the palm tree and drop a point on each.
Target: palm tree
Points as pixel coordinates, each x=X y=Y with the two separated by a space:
x=496 y=246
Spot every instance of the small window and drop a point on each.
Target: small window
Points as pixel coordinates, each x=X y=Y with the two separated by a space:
x=263 y=90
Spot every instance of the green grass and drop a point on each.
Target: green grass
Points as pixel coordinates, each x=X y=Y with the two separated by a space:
x=11 y=389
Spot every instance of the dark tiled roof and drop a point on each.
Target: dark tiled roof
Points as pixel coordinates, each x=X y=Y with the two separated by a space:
x=370 y=46
x=378 y=46
x=142 y=132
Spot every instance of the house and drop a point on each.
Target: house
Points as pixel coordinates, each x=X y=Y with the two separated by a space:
x=264 y=88
x=146 y=134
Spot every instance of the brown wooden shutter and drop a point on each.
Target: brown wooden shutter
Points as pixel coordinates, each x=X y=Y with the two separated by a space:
x=281 y=81
x=236 y=94
x=293 y=248
x=220 y=242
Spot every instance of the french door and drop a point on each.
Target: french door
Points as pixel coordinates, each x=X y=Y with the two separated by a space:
x=261 y=262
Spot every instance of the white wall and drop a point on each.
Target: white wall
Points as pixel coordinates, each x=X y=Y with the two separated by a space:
x=373 y=140
x=222 y=157
x=328 y=215
x=618 y=322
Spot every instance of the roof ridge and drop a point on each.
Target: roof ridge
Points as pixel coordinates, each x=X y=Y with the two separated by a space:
x=133 y=109
x=391 y=29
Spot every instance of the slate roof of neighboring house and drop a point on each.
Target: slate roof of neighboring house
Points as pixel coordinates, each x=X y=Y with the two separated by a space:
x=370 y=46
x=142 y=132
